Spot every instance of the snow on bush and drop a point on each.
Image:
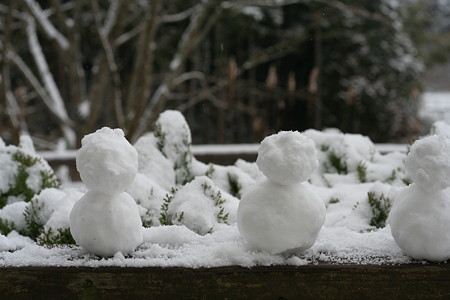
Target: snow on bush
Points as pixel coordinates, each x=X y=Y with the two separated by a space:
x=200 y=205
x=153 y=163
x=23 y=173
x=352 y=158
x=174 y=141
x=189 y=209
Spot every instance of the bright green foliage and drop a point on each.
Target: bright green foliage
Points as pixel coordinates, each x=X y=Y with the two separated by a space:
x=334 y=201
x=235 y=185
x=210 y=172
x=184 y=167
x=406 y=181
x=61 y=237
x=165 y=218
x=19 y=187
x=392 y=177
x=34 y=226
x=324 y=148
x=380 y=205
x=337 y=162
x=362 y=172
x=161 y=138
x=6 y=226
x=147 y=219
x=216 y=197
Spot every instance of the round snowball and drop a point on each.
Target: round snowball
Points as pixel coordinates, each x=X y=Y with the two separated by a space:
x=278 y=218
x=106 y=224
x=421 y=228
x=287 y=157
x=428 y=162
x=107 y=162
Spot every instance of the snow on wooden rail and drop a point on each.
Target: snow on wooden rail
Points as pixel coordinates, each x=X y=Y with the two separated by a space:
x=213 y=149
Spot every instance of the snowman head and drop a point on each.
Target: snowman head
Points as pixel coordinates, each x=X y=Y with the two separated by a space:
x=428 y=163
x=107 y=162
x=287 y=157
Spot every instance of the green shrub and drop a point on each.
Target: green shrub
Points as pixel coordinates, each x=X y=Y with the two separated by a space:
x=380 y=205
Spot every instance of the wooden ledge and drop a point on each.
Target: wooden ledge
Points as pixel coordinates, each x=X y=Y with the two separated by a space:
x=412 y=281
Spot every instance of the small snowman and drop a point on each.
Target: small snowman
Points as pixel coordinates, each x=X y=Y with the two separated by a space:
x=106 y=220
x=281 y=213
x=420 y=216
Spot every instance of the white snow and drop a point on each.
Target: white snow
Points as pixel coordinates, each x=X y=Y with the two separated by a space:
x=282 y=213
x=197 y=201
x=441 y=128
x=153 y=163
x=277 y=218
x=203 y=239
x=420 y=217
x=420 y=221
x=106 y=220
x=106 y=161
x=428 y=163
x=287 y=157
x=105 y=224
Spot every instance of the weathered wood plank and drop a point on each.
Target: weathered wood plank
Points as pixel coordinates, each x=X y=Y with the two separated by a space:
x=431 y=281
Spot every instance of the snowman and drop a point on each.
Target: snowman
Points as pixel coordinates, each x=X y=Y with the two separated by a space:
x=420 y=216
x=282 y=213
x=106 y=220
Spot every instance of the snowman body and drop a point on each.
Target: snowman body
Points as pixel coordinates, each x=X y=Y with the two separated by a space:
x=106 y=219
x=420 y=216
x=282 y=213
x=420 y=229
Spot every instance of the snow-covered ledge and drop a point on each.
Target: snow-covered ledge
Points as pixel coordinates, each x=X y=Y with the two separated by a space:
x=213 y=149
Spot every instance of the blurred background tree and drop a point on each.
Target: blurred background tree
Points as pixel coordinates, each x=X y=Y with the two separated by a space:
x=239 y=70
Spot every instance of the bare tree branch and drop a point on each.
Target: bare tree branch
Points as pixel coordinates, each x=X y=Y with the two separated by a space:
x=57 y=106
x=202 y=20
x=6 y=96
x=103 y=32
x=139 y=88
x=46 y=25
x=178 y=16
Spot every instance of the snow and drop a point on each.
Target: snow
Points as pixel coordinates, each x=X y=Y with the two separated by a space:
x=279 y=218
x=198 y=201
x=354 y=230
x=153 y=163
x=167 y=246
x=287 y=157
x=106 y=161
x=420 y=217
x=428 y=162
x=441 y=128
x=106 y=220
x=105 y=224
x=420 y=220
x=282 y=213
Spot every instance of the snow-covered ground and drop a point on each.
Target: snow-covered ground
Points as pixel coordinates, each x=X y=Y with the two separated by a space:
x=195 y=224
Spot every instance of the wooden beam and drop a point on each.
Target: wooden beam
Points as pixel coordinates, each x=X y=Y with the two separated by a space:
x=412 y=281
